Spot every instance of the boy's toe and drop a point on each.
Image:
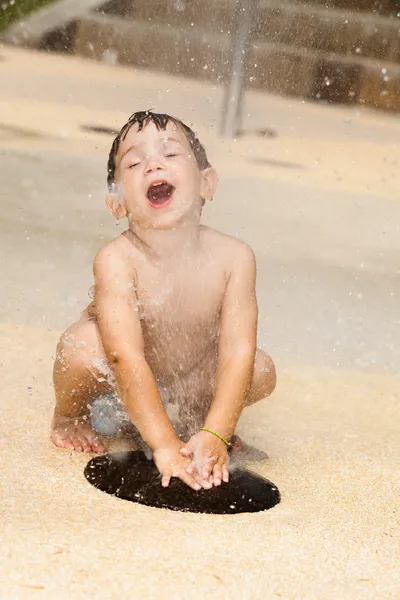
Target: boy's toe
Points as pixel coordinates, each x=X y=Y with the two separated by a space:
x=86 y=445
x=80 y=438
x=60 y=441
x=68 y=444
x=77 y=445
x=56 y=438
x=96 y=445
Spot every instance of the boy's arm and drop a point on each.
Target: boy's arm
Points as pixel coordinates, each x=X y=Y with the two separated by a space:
x=237 y=345
x=121 y=335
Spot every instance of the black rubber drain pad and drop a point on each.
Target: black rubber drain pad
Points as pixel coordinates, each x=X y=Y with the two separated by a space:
x=131 y=476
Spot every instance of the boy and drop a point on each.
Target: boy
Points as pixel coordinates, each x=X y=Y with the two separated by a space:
x=174 y=312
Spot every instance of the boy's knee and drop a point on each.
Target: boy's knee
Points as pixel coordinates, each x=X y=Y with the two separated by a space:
x=81 y=337
x=265 y=373
x=76 y=346
x=67 y=357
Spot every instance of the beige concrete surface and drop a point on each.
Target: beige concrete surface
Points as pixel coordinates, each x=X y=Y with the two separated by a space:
x=333 y=442
x=319 y=204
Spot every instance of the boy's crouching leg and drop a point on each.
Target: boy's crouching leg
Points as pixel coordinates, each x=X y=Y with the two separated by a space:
x=76 y=383
x=264 y=378
x=263 y=384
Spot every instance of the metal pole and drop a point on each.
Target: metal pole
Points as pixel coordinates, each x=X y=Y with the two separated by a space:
x=240 y=45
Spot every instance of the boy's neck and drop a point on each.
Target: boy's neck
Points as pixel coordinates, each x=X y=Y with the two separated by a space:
x=168 y=243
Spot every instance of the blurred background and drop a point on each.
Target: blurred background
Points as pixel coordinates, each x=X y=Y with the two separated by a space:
x=329 y=50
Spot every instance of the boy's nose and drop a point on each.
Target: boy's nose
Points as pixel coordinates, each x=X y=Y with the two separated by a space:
x=154 y=163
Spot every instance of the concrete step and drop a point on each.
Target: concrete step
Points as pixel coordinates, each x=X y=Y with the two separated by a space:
x=338 y=31
x=193 y=52
x=378 y=7
x=277 y=67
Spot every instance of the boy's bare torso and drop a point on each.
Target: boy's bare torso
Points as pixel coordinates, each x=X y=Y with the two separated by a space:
x=179 y=301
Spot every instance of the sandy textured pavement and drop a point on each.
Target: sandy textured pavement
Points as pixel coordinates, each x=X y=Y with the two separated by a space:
x=320 y=205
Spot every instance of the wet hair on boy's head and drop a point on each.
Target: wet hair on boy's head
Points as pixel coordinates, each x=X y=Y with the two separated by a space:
x=143 y=118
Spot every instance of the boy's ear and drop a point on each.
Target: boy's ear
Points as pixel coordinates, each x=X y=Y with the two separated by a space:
x=115 y=205
x=209 y=180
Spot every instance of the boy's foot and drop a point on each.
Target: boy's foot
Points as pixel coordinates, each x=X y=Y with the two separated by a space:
x=241 y=452
x=237 y=444
x=75 y=434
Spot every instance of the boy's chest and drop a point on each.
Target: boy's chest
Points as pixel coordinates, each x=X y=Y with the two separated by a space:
x=185 y=299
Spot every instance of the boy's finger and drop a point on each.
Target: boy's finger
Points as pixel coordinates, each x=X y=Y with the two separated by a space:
x=190 y=481
x=166 y=478
x=207 y=471
x=217 y=474
x=225 y=473
x=186 y=451
x=205 y=483
x=192 y=469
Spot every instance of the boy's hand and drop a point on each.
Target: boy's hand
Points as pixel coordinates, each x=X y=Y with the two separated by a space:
x=172 y=463
x=209 y=457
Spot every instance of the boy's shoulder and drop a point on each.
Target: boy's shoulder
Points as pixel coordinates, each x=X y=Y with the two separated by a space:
x=116 y=255
x=229 y=245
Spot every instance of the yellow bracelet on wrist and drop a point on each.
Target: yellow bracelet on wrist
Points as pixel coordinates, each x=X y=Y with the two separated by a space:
x=217 y=435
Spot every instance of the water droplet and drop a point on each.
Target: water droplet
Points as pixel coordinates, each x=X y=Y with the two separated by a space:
x=179 y=5
x=110 y=57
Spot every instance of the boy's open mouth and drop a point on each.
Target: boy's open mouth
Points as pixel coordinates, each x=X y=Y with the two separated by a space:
x=160 y=193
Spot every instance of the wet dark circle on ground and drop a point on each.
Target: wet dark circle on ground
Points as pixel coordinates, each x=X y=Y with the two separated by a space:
x=131 y=476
